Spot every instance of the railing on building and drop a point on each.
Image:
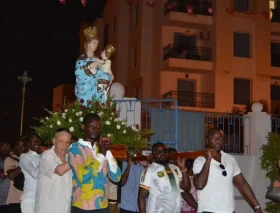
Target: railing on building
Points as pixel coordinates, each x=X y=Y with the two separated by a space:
x=275 y=125
x=202 y=7
x=187 y=130
x=150 y=113
x=187 y=52
x=191 y=99
x=233 y=128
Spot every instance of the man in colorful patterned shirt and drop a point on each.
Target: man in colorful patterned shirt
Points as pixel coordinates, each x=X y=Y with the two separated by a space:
x=91 y=162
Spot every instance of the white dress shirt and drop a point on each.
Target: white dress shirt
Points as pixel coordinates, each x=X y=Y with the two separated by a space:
x=53 y=193
x=29 y=166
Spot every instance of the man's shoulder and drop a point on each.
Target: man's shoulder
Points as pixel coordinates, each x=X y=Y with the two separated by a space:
x=12 y=157
x=76 y=145
x=154 y=167
x=228 y=157
x=47 y=152
x=172 y=166
x=25 y=157
x=77 y=148
x=199 y=160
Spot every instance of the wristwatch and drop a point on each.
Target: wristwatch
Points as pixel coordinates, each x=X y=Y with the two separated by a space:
x=257 y=207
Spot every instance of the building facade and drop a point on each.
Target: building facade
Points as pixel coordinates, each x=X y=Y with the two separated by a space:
x=210 y=55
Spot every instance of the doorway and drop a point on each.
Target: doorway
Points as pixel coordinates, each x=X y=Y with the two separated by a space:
x=185 y=42
x=186 y=92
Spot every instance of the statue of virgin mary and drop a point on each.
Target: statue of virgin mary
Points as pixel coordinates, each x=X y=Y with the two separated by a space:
x=89 y=73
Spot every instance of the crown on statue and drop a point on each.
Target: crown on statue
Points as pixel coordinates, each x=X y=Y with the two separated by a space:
x=90 y=33
x=110 y=50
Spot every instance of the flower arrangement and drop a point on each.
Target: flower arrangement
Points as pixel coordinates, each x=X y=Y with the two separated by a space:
x=71 y=117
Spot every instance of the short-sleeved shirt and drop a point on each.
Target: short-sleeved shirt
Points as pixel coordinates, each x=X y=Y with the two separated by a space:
x=163 y=198
x=14 y=194
x=218 y=194
x=129 y=193
x=53 y=193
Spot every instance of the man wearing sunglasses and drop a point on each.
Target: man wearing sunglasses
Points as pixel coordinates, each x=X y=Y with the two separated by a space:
x=215 y=176
x=163 y=182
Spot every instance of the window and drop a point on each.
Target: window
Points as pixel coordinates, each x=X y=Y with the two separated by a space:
x=242 y=91
x=114 y=25
x=275 y=54
x=242 y=45
x=274 y=10
x=106 y=35
x=134 y=56
x=135 y=11
x=241 y=5
x=272 y=5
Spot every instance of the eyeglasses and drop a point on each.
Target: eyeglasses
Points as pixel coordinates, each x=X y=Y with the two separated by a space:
x=224 y=173
x=158 y=152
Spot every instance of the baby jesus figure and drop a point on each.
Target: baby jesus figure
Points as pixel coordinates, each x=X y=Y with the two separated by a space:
x=105 y=66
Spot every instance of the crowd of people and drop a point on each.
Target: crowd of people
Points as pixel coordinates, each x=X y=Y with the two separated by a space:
x=75 y=177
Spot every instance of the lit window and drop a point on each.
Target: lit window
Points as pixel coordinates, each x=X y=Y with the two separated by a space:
x=272 y=5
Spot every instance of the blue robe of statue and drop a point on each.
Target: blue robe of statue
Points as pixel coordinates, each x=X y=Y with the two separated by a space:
x=87 y=83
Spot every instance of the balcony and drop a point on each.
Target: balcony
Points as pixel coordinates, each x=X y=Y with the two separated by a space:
x=191 y=99
x=191 y=59
x=179 y=12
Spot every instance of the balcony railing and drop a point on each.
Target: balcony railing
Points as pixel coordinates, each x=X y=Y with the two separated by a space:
x=202 y=7
x=191 y=99
x=188 y=52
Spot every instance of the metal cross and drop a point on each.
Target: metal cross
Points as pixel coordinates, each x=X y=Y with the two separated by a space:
x=25 y=79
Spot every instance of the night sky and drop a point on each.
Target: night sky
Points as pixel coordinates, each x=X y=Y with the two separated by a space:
x=41 y=37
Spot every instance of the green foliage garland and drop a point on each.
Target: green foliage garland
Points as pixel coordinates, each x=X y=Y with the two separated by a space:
x=71 y=118
x=271 y=153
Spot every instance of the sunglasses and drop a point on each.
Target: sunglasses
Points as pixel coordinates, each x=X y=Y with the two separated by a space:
x=224 y=173
x=158 y=152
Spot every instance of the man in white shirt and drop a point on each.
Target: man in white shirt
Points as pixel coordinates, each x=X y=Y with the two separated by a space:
x=163 y=182
x=29 y=166
x=54 y=187
x=215 y=176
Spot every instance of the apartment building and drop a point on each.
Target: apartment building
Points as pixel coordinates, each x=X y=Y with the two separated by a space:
x=207 y=54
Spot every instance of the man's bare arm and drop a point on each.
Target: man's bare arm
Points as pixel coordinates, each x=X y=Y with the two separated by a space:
x=142 y=195
x=246 y=191
x=62 y=169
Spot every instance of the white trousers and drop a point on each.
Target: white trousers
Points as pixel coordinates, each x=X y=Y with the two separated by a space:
x=27 y=205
